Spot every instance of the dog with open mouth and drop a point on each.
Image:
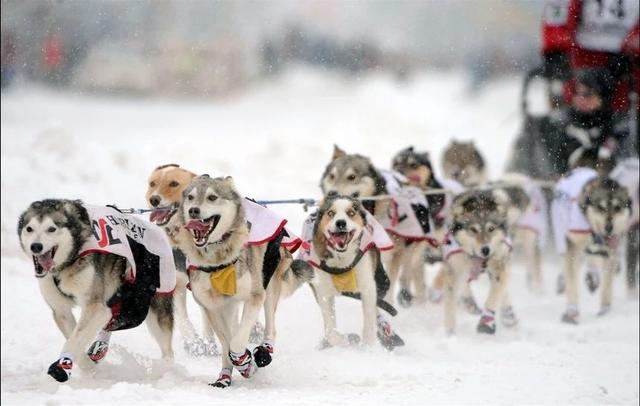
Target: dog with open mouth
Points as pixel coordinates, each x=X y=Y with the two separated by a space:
x=345 y=242
x=105 y=262
x=405 y=215
x=229 y=270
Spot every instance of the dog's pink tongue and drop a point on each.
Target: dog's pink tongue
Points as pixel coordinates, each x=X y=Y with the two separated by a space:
x=414 y=178
x=197 y=225
x=46 y=261
x=339 y=239
x=160 y=215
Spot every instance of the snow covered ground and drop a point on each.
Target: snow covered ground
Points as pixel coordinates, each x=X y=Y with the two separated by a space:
x=276 y=141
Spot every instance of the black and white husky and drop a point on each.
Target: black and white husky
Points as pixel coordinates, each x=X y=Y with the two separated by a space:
x=108 y=264
x=228 y=270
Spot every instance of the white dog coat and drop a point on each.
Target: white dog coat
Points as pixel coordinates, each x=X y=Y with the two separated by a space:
x=565 y=213
x=133 y=238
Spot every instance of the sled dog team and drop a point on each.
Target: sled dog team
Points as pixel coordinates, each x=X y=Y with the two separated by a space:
x=368 y=240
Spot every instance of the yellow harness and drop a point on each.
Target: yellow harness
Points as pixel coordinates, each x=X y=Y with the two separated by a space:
x=345 y=282
x=224 y=280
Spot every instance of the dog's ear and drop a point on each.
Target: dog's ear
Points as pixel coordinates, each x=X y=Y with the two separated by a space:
x=502 y=201
x=337 y=152
x=229 y=181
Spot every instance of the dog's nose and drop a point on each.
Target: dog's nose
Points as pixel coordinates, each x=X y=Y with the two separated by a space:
x=332 y=193
x=485 y=251
x=608 y=228
x=341 y=225
x=154 y=200
x=194 y=212
x=36 y=248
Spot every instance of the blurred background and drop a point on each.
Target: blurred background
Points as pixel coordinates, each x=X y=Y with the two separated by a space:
x=205 y=48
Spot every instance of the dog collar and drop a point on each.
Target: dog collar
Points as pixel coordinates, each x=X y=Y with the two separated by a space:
x=210 y=269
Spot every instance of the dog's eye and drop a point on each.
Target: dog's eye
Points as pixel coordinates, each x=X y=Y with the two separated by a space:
x=332 y=176
x=474 y=230
x=152 y=184
x=212 y=198
x=491 y=229
x=190 y=197
x=414 y=166
x=351 y=213
x=174 y=184
x=331 y=213
x=51 y=230
x=29 y=230
x=351 y=177
x=617 y=208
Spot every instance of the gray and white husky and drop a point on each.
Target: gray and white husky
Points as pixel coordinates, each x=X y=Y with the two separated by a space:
x=605 y=208
x=53 y=233
x=478 y=243
x=214 y=235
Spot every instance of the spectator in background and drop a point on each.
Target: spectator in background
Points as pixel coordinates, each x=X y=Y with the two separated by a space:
x=52 y=58
x=9 y=59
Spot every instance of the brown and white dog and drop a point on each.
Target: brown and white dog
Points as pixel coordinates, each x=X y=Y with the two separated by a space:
x=344 y=245
x=463 y=162
x=164 y=194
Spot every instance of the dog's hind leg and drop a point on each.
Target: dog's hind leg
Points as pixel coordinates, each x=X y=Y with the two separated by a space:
x=160 y=324
x=531 y=248
x=394 y=271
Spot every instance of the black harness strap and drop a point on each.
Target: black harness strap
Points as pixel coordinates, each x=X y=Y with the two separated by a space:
x=56 y=282
x=339 y=271
x=211 y=269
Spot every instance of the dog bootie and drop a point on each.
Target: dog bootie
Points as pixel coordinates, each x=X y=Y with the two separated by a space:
x=487 y=323
x=224 y=379
x=98 y=350
x=257 y=333
x=471 y=306
x=262 y=354
x=405 y=298
x=571 y=315
x=387 y=337
x=592 y=278
x=508 y=317
x=560 y=284
x=244 y=363
x=61 y=369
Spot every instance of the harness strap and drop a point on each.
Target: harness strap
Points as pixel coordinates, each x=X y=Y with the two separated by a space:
x=210 y=269
x=56 y=282
x=338 y=271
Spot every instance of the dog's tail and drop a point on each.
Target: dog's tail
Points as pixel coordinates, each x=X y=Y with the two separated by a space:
x=298 y=273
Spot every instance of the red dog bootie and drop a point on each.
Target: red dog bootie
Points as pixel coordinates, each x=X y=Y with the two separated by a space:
x=487 y=323
x=61 y=369
x=244 y=363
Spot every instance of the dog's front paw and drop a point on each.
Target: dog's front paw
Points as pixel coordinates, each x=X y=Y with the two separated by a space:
x=98 y=350
x=487 y=323
x=224 y=379
x=262 y=354
x=244 y=363
x=387 y=337
x=61 y=369
x=351 y=339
